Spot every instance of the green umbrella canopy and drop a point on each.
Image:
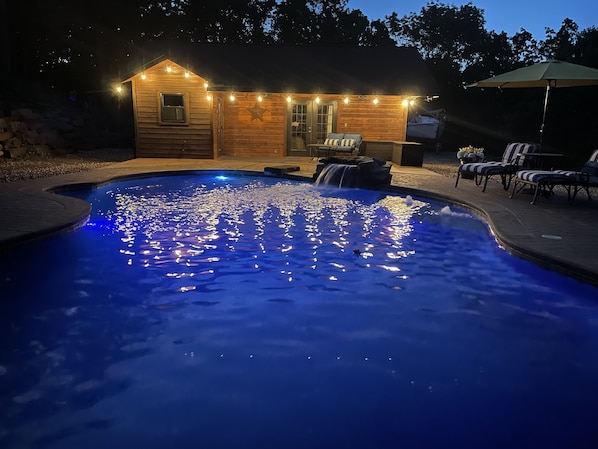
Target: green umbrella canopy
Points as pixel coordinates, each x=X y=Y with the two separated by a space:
x=546 y=74
x=550 y=73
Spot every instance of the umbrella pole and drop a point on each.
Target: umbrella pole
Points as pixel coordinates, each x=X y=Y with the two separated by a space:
x=544 y=114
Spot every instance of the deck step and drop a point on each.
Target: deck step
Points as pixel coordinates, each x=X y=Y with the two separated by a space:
x=280 y=170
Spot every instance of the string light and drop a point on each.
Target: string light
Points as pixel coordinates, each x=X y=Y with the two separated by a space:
x=346 y=100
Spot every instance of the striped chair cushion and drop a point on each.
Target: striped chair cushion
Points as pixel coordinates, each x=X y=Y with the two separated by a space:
x=331 y=142
x=510 y=156
x=483 y=168
x=580 y=177
x=347 y=143
x=556 y=176
x=588 y=173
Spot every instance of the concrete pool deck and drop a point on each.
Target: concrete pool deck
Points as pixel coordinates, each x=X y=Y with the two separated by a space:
x=551 y=233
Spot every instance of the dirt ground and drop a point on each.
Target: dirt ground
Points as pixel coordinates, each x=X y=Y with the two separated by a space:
x=33 y=166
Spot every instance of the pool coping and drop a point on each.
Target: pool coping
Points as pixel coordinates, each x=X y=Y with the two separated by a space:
x=35 y=209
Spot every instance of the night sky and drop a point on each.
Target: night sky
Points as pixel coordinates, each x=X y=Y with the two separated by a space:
x=504 y=15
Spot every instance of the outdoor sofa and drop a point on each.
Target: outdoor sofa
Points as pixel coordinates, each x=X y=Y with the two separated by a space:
x=340 y=143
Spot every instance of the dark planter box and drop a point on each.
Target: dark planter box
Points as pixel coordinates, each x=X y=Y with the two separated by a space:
x=402 y=153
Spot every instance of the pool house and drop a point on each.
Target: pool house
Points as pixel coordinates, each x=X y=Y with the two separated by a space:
x=209 y=100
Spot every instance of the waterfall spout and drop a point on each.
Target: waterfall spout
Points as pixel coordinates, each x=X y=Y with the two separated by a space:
x=359 y=171
x=339 y=175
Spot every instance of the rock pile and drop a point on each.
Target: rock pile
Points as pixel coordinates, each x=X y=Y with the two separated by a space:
x=25 y=131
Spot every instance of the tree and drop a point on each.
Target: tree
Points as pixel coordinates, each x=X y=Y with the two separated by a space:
x=443 y=33
x=229 y=21
x=325 y=22
x=560 y=45
x=70 y=44
x=586 y=47
x=525 y=47
x=4 y=46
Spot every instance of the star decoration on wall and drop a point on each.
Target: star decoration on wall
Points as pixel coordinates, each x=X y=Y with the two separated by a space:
x=257 y=112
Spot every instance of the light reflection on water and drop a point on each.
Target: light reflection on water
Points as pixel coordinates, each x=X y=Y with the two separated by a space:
x=202 y=312
x=200 y=226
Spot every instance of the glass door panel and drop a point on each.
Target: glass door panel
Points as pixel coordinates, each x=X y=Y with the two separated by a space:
x=299 y=127
x=308 y=123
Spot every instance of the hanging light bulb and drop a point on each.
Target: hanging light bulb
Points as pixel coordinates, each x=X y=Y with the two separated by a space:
x=346 y=100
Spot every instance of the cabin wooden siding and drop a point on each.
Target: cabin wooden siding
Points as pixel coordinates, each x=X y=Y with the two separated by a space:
x=249 y=127
x=246 y=134
x=253 y=128
x=154 y=139
x=386 y=120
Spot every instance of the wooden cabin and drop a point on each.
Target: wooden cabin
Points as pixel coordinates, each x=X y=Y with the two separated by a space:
x=273 y=101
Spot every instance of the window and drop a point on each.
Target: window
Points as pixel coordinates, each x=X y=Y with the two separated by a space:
x=173 y=108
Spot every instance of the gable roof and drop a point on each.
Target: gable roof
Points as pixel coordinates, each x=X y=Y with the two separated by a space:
x=301 y=69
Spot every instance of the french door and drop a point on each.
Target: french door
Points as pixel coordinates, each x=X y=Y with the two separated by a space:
x=308 y=122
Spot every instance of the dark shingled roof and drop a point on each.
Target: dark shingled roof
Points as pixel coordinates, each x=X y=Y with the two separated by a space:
x=301 y=69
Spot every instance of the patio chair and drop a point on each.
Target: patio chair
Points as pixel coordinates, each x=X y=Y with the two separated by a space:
x=513 y=159
x=544 y=181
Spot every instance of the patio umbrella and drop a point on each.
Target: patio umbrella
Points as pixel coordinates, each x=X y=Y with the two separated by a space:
x=546 y=74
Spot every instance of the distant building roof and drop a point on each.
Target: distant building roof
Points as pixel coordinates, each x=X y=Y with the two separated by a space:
x=334 y=70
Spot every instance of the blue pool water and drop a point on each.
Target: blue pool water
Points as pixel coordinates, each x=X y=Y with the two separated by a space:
x=202 y=311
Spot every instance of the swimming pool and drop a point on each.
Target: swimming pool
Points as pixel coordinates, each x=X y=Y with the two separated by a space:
x=214 y=311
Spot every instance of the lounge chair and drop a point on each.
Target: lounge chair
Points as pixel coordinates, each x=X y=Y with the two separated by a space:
x=544 y=181
x=585 y=177
x=513 y=159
